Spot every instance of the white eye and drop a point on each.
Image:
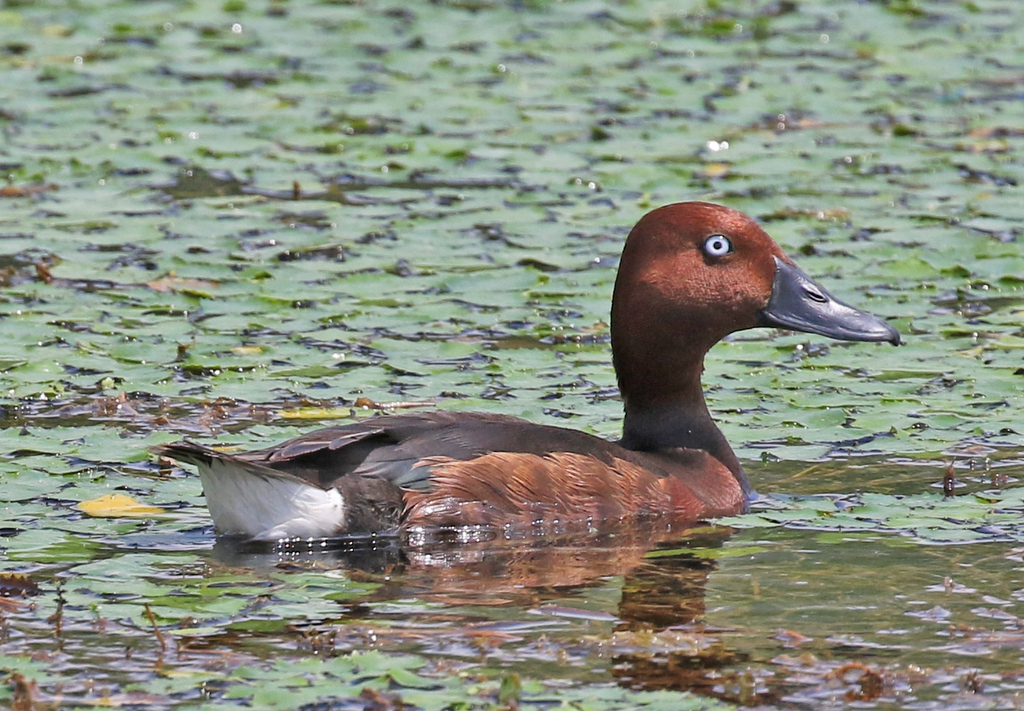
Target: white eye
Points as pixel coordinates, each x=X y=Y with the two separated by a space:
x=717 y=246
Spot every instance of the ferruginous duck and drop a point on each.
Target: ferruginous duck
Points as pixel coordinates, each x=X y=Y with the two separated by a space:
x=690 y=274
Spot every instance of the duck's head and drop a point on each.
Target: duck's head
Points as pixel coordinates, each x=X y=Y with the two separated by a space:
x=692 y=273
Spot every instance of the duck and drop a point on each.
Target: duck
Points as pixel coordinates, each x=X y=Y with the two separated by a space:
x=690 y=274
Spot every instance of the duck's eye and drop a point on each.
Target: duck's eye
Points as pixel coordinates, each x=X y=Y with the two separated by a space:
x=717 y=246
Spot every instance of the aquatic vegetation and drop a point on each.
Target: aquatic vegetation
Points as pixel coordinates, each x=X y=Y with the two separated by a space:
x=245 y=219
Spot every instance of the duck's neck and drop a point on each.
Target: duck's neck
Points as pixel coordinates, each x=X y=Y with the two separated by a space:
x=676 y=416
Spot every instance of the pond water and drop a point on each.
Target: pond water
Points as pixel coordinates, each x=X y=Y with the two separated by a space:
x=801 y=616
x=237 y=221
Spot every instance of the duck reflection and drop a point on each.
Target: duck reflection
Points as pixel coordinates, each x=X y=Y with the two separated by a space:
x=660 y=639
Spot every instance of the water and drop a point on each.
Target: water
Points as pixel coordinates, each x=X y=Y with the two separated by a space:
x=237 y=221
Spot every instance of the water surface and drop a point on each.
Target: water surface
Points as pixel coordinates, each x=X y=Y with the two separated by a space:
x=237 y=221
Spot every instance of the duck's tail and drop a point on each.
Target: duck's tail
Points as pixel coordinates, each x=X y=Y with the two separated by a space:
x=257 y=501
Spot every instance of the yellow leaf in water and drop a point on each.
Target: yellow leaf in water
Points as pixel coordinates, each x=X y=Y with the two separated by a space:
x=118 y=506
x=972 y=352
x=717 y=170
x=247 y=350
x=315 y=413
x=57 y=31
x=175 y=283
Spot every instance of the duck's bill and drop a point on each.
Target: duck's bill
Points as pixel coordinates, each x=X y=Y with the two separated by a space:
x=799 y=303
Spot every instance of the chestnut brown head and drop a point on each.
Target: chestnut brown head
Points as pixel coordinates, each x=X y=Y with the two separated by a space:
x=692 y=273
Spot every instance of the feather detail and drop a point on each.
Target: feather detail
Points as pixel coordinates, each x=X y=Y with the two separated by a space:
x=510 y=487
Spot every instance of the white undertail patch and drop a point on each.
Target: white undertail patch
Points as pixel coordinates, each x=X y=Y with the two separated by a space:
x=267 y=508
